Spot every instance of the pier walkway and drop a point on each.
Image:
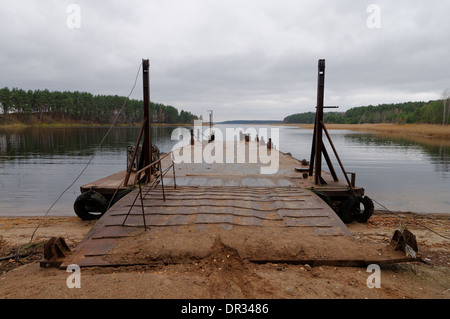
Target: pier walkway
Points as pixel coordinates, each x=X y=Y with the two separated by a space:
x=262 y=218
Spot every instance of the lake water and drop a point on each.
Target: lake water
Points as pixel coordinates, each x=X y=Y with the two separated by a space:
x=38 y=164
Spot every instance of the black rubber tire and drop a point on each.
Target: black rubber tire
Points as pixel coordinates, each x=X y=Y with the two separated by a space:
x=350 y=211
x=120 y=195
x=369 y=207
x=346 y=209
x=89 y=203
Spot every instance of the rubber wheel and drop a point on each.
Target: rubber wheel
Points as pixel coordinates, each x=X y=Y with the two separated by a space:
x=350 y=209
x=346 y=209
x=369 y=207
x=90 y=205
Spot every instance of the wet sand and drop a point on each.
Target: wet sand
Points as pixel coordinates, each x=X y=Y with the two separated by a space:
x=223 y=273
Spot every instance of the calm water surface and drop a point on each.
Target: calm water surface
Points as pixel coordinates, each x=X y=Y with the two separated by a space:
x=37 y=164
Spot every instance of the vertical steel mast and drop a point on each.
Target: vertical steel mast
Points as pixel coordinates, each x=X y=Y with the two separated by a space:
x=147 y=143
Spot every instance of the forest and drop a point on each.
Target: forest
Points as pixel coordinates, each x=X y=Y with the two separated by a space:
x=82 y=107
x=431 y=112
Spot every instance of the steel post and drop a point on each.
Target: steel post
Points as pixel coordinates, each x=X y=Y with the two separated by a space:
x=319 y=120
x=147 y=144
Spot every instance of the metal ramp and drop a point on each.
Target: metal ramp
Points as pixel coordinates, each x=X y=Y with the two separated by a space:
x=261 y=224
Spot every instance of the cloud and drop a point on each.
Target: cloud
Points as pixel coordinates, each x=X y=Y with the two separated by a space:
x=244 y=59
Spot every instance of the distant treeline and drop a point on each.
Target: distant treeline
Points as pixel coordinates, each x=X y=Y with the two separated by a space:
x=431 y=112
x=85 y=107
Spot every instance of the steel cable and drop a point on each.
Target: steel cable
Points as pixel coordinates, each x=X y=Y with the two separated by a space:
x=415 y=223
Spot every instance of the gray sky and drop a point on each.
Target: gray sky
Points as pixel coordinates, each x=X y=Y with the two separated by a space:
x=246 y=59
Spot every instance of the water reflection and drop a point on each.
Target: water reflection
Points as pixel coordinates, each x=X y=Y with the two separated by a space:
x=36 y=164
x=38 y=142
x=438 y=151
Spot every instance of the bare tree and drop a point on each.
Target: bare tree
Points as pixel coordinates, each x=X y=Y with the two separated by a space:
x=445 y=100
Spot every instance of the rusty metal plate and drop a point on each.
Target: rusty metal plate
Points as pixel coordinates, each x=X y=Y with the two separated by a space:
x=263 y=217
x=203 y=207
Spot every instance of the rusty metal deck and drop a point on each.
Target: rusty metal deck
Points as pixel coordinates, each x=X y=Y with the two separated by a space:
x=109 y=184
x=263 y=217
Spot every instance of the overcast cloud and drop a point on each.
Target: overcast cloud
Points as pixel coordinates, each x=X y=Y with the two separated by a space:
x=246 y=59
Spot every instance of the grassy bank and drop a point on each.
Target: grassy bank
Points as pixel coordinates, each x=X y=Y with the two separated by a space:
x=431 y=131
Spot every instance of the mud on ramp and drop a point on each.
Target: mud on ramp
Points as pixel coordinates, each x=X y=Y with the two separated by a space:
x=259 y=224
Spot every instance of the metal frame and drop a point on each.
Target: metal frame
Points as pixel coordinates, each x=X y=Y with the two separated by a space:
x=318 y=146
x=159 y=177
x=145 y=165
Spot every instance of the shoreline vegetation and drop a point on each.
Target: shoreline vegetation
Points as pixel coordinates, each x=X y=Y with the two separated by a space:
x=40 y=107
x=413 y=120
x=15 y=121
x=423 y=134
x=427 y=131
x=431 y=112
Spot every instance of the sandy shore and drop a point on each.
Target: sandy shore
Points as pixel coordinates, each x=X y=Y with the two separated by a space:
x=222 y=276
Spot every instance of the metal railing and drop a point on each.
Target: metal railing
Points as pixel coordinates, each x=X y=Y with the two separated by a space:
x=153 y=183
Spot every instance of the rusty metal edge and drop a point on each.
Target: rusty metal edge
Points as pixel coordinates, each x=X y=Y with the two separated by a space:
x=357 y=263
